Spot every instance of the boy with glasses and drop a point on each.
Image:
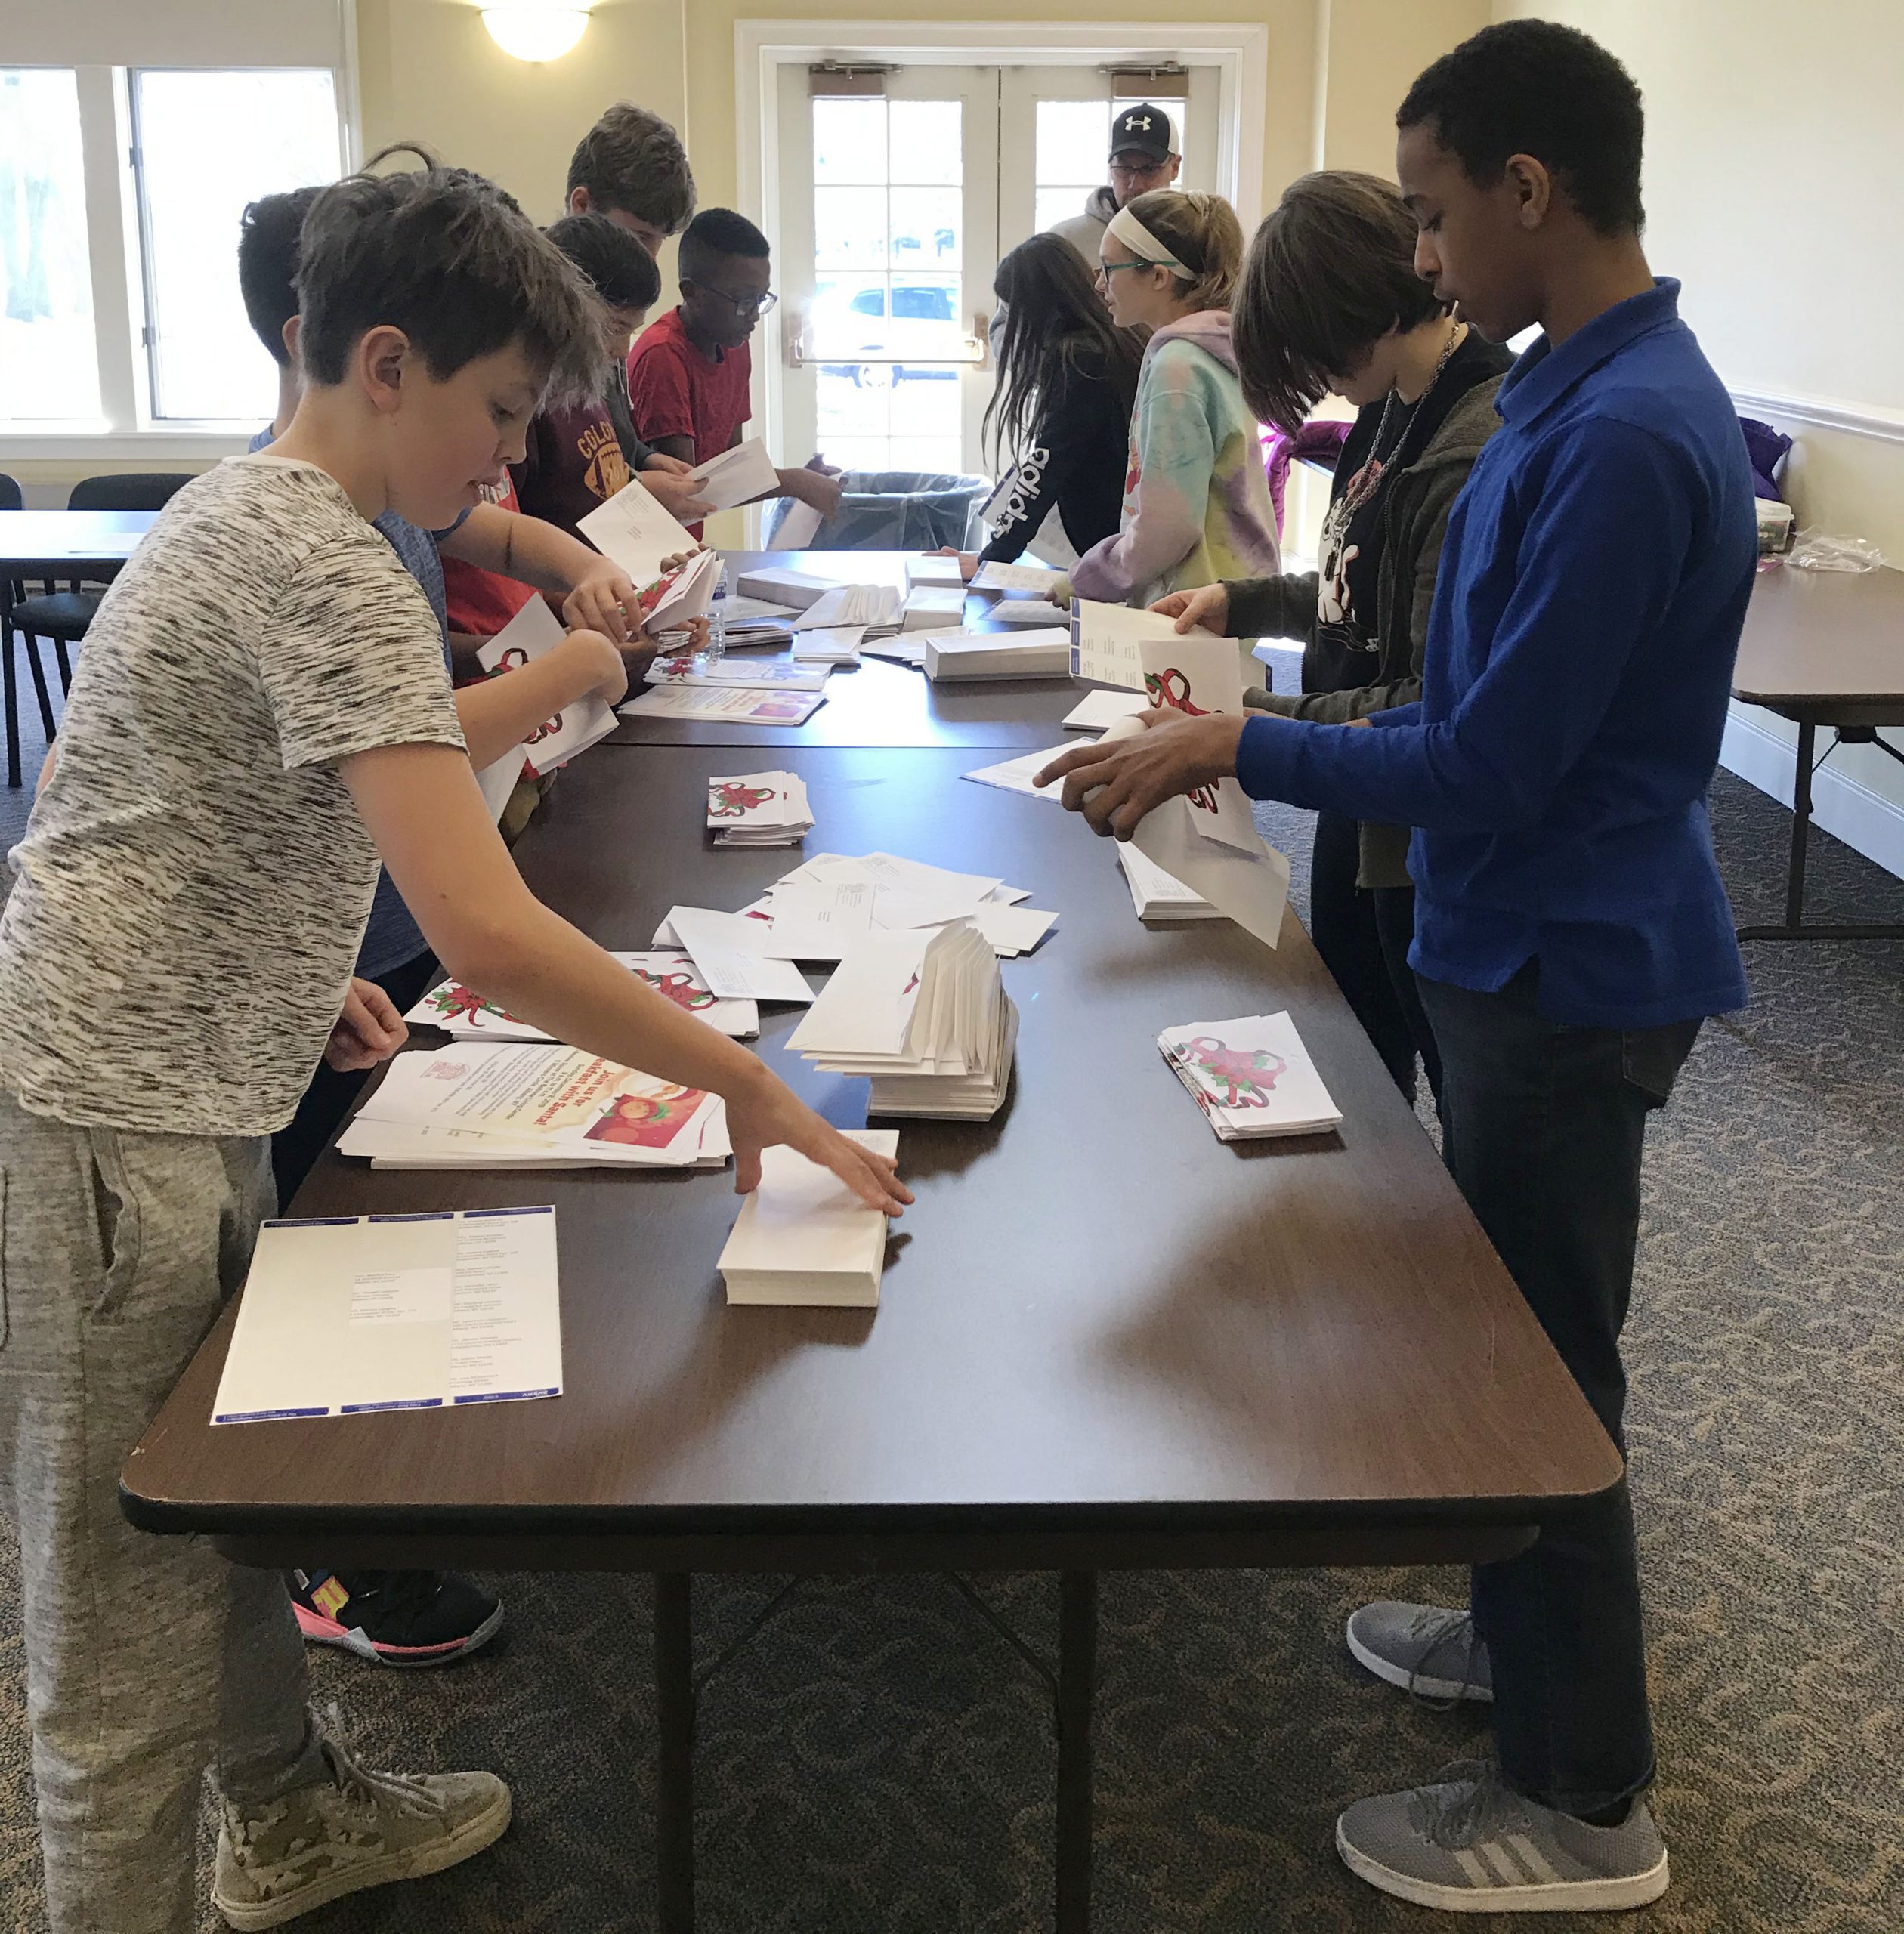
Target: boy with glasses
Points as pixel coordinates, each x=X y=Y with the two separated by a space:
x=688 y=374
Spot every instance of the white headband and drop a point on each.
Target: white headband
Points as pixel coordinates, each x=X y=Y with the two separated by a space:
x=1125 y=227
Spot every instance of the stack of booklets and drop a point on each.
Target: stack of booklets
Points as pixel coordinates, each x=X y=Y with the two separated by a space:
x=1035 y=578
x=1043 y=653
x=1252 y=1077
x=804 y=1238
x=780 y=584
x=925 y=1014
x=755 y=674
x=746 y=622
x=942 y=574
x=759 y=809
x=1158 y=897
x=495 y=1105
x=933 y=607
x=463 y=1012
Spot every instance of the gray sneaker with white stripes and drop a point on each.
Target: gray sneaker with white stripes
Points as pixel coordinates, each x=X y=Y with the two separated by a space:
x=1469 y=1845
x=1429 y=1651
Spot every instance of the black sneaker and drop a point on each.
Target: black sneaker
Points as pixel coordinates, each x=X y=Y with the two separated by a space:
x=400 y=1618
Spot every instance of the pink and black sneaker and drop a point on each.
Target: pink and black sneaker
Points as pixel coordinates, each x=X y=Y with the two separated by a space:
x=399 y=1618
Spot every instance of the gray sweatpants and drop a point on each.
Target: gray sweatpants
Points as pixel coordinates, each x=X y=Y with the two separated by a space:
x=146 y=1657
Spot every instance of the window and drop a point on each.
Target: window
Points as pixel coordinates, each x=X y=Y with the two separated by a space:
x=887 y=219
x=49 y=362
x=204 y=144
x=1074 y=152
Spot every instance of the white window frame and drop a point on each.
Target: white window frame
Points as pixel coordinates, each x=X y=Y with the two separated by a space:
x=1239 y=53
x=125 y=428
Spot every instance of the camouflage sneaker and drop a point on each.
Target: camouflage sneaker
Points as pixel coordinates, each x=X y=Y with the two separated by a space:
x=358 y=1829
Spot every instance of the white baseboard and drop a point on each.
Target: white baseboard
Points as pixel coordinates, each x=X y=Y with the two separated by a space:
x=1866 y=820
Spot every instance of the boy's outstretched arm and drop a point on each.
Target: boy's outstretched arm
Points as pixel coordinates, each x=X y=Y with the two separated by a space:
x=422 y=807
x=596 y=593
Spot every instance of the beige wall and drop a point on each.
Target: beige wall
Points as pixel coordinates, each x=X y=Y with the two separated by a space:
x=1775 y=146
x=1371 y=51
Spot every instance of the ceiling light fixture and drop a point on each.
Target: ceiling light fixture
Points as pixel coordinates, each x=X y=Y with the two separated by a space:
x=531 y=31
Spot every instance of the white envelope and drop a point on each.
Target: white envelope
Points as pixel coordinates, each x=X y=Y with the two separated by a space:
x=803 y=1238
x=737 y=476
x=1097 y=710
x=1017 y=577
x=726 y=949
x=635 y=531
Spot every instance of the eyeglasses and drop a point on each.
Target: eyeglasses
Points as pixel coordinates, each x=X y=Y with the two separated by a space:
x=1107 y=269
x=1125 y=170
x=742 y=305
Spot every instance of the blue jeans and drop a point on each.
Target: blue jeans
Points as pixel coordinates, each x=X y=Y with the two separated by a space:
x=1543 y=1127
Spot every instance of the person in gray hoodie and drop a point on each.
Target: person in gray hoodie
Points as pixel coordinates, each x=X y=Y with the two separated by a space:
x=1329 y=300
x=1144 y=157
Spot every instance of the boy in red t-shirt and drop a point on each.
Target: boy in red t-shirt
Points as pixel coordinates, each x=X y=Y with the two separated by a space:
x=688 y=375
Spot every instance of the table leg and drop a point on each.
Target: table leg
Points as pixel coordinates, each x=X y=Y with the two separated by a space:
x=674 y=1795
x=1077 y=1682
x=1801 y=810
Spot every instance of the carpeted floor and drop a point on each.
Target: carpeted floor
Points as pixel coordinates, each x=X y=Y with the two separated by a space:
x=879 y=1761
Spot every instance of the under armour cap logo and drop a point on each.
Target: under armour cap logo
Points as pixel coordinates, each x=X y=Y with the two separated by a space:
x=1144 y=123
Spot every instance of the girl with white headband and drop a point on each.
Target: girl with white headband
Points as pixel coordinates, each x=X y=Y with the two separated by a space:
x=1196 y=501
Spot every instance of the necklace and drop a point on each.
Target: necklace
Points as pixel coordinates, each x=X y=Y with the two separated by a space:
x=1369 y=479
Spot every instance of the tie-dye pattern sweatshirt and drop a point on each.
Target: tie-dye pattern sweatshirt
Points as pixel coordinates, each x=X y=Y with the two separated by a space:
x=1196 y=500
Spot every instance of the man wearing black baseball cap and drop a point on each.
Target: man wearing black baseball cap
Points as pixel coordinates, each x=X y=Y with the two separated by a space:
x=1143 y=157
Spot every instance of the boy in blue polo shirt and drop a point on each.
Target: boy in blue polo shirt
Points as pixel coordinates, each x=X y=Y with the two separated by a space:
x=1571 y=931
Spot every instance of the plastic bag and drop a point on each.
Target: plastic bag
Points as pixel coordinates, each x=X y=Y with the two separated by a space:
x=898 y=510
x=1821 y=551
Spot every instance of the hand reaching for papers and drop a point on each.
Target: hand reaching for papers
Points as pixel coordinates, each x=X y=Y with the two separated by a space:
x=771 y=1113
x=816 y=483
x=968 y=560
x=1208 y=606
x=368 y=1031
x=1115 y=782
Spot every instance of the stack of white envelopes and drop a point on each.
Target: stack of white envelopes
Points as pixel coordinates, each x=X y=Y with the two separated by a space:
x=759 y=809
x=1252 y=1077
x=803 y=1238
x=1042 y=652
x=496 y=1104
x=925 y=1016
x=461 y=1011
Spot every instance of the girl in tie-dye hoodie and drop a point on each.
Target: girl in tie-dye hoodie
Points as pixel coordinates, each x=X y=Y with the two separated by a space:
x=1196 y=502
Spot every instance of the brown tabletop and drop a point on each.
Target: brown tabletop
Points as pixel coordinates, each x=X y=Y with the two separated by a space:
x=69 y=544
x=881 y=702
x=1105 y=1337
x=1826 y=643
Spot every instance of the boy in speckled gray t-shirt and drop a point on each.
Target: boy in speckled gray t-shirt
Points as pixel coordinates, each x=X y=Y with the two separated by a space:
x=261 y=711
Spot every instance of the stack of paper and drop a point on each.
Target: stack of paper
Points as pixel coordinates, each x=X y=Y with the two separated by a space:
x=534 y=631
x=731 y=705
x=932 y=608
x=1028 y=611
x=729 y=954
x=746 y=622
x=759 y=809
x=1016 y=775
x=780 y=584
x=1252 y=1077
x=1037 y=654
x=942 y=572
x=755 y=675
x=833 y=644
x=1034 y=578
x=804 y=1237
x=1158 y=897
x=461 y=1011
x=485 y=1104
x=925 y=1016
x=877 y=606
x=737 y=476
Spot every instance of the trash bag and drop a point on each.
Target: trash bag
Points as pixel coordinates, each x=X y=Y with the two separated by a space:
x=897 y=510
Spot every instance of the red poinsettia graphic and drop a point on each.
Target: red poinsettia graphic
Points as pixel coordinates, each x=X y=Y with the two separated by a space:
x=682 y=988
x=1238 y=1077
x=728 y=798
x=1170 y=687
x=453 y=1000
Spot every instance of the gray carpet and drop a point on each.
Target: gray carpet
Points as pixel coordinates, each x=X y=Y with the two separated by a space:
x=878 y=1761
